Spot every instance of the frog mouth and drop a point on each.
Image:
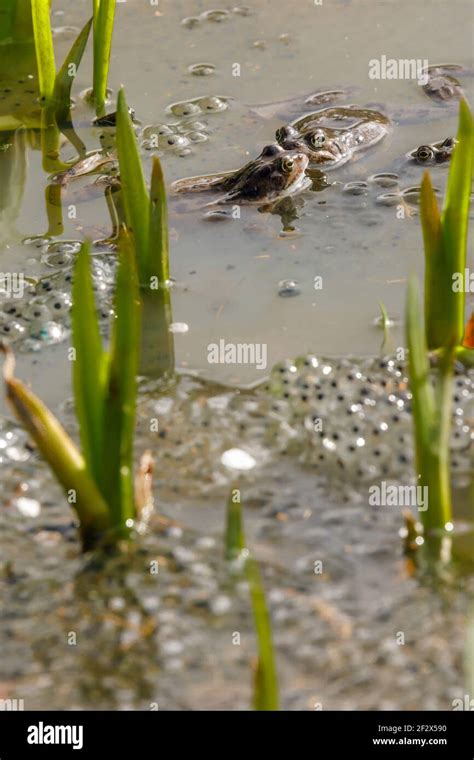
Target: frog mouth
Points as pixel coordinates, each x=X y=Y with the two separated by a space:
x=331 y=154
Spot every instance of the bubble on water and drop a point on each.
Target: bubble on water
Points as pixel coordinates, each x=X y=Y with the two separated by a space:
x=197 y=137
x=152 y=131
x=238 y=459
x=220 y=605
x=190 y=22
x=27 y=507
x=184 y=108
x=285 y=38
x=178 y=327
x=260 y=44
x=242 y=10
x=201 y=69
x=173 y=142
x=216 y=15
x=65 y=31
x=50 y=333
x=217 y=216
x=37 y=241
x=213 y=104
x=55 y=260
x=288 y=288
x=355 y=188
x=29 y=345
x=384 y=179
x=389 y=199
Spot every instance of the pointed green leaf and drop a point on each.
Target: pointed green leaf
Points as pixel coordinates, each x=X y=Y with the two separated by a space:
x=455 y=215
x=120 y=400
x=89 y=366
x=234 y=537
x=158 y=260
x=419 y=368
x=62 y=455
x=64 y=78
x=134 y=191
x=104 y=14
x=266 y=681
x=44 y=47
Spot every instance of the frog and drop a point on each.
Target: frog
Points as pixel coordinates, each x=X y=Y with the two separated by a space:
x=435 y=153
x=276 y=173
x=442 y=86
x=320 y=137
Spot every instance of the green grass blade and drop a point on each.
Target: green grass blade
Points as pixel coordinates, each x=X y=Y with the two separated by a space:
x=455 y=215
x=158 y=260
x=120 y=401
x=438 y=292
x=104 y=15
x=134 y=191
x=234 y=537
x=265 y=695
x=89 y=366
x=44 y=48
x=429 y=421
x=64 y=79
x=59 y=451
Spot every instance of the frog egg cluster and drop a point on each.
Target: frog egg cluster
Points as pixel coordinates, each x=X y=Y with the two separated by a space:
x=177 y=138
x=354 y=418
x=42 y=315
x=215 y=16
x=348 y=420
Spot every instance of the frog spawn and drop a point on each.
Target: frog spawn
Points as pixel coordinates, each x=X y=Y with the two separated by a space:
x=349 y=418
x=179 y=137
x=42 y=315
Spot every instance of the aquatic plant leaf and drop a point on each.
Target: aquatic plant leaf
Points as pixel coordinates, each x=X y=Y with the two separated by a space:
x=121 y=391
x=431 y=417
x=265 y=696
x=104 y=15
x=64 y=79
x=134 y=191
x=385 y=326
x=62 y=455
x=455 y=215
x=158 y=256
x=89 y=366
x=44 y=48
x=234 y=536
x=437 y=281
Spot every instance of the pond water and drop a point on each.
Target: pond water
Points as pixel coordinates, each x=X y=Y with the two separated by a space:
x=166 y=640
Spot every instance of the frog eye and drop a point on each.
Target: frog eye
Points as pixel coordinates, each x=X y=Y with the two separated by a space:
x=287 y=165
x=318 y=139
x=424 y=153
